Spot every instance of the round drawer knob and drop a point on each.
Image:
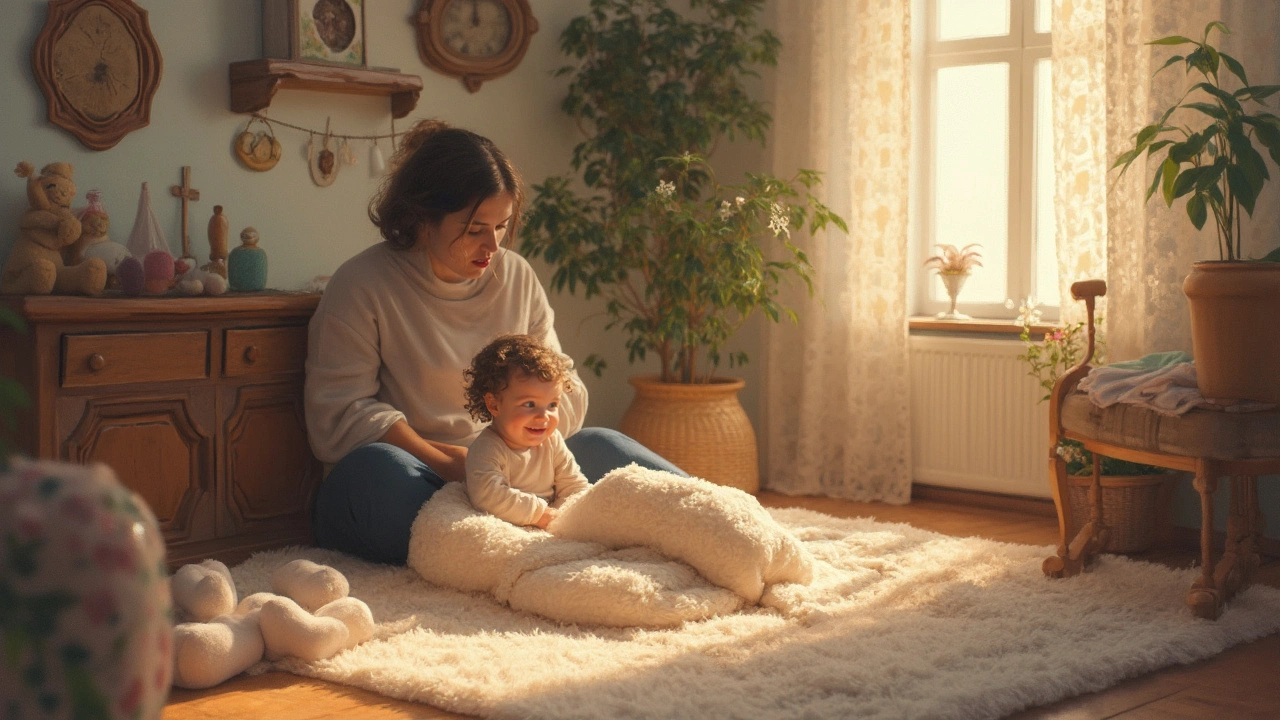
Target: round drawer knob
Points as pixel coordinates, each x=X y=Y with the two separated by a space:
x=97 y=362
x=251 y=354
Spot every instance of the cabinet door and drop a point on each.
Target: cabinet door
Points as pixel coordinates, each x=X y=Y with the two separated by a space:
x=160 y=445
x=271 y=475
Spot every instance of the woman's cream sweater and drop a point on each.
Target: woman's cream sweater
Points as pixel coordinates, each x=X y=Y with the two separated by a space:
x=389 y=341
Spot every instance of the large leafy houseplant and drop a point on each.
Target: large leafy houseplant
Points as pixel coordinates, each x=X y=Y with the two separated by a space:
x=679 y=258
x=1214 y=164
x=1217 y=167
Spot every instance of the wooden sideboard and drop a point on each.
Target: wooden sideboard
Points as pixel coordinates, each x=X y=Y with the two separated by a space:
x=196 y=403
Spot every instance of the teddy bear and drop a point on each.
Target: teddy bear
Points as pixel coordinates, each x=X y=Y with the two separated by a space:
x=35 y=265
x=309 y=616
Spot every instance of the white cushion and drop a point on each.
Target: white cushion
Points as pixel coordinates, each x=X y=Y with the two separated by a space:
x=723 y=532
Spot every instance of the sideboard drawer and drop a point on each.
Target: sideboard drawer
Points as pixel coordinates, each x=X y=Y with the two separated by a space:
x=264 y=351
x=117 y=359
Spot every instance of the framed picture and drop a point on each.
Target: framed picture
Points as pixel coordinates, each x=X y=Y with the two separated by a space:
x=329 y=31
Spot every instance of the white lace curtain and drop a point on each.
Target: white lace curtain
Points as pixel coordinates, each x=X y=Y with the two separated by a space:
x=1103 y=94
x=836 y=386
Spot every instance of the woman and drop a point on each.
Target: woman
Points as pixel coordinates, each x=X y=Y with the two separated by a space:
x=398 y=324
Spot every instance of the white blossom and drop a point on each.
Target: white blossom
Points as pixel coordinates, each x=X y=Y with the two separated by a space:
x=740 y=200
x=778 y=221
x=666 y=189
x=725 y=210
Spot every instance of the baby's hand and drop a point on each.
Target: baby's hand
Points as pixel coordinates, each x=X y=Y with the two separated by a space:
x=547 y=516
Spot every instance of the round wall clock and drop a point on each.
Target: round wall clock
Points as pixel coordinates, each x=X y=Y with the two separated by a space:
x=475 y=40
x=98 y=66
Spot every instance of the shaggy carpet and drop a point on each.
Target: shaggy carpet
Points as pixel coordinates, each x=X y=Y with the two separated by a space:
x=898 y=623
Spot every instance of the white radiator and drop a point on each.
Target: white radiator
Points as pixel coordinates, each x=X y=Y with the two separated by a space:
x=976 y=419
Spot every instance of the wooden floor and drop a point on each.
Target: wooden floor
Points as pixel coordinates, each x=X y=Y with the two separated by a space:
x=1239 y=683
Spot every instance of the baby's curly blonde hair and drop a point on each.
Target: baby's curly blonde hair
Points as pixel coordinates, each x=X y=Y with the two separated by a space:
x=491 y=369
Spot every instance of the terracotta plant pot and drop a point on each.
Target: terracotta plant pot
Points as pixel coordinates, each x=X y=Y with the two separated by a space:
x=1234 y=306
x=702 y=428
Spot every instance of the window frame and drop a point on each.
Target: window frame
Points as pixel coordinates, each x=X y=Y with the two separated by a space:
x=1022 y=48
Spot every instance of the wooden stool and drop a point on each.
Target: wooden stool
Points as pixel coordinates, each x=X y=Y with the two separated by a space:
x=1209 y=442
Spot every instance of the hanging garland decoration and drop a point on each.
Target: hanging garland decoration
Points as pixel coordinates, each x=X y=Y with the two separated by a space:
x=323 y=158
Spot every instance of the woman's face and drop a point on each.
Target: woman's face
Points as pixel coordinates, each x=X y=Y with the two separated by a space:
x=459 y=250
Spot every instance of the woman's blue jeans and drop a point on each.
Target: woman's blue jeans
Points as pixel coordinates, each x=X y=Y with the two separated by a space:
x=367 y=504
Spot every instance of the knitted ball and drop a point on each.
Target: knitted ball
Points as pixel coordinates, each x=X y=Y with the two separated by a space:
x=131 y=276
x=158 y=269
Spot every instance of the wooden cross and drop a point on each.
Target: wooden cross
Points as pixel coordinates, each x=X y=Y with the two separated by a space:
x=187 y=193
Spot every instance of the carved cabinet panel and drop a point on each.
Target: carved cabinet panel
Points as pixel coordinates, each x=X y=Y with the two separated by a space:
x=195 y=403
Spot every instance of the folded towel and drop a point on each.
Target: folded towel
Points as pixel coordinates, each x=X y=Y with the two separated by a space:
x=1164 y=382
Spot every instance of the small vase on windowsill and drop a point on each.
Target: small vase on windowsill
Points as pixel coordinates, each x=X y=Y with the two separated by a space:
x=953 y=282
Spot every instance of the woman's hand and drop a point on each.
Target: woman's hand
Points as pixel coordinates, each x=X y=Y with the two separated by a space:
x=448 y=461
x=547 y=516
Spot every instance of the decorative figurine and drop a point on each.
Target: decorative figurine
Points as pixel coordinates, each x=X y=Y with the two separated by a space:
x=146 y=235
x=94 y=241
x=187 y=194
x=247 y=264
x=218 y=229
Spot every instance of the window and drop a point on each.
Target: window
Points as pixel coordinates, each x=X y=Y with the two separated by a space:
x=986 y=152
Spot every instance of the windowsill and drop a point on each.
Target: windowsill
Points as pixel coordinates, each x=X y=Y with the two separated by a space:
x=976 y=325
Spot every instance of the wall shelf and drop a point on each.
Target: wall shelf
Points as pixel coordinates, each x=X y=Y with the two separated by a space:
x=254 y=83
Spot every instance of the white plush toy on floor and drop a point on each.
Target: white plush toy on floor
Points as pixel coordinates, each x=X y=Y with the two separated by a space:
x=312 y=618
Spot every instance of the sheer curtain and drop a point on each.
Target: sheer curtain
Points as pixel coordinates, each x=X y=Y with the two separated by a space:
x=1103 y=94
x=836 y=386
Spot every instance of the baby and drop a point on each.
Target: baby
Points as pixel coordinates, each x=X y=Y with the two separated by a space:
x=519 y=468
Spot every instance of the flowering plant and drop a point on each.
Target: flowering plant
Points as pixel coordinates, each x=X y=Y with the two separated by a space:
x=1047 y=359
x=684 y=267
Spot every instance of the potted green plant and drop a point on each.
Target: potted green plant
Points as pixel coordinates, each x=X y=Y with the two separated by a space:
x=1217 y=168
x=680 y=260
x=1135 y=496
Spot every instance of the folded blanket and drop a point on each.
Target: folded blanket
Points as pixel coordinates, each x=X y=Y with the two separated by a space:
x=1163 y=382
x=606 y=570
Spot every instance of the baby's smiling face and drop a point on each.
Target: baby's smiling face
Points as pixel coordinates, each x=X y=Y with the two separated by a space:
x=526 y=412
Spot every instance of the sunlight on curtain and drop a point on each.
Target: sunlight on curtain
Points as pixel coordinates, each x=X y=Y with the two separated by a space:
x=837 y=385
x=1103 y=94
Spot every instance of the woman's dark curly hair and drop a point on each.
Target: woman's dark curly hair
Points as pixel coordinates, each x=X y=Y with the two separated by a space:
x=440 y=170
x=491 y=369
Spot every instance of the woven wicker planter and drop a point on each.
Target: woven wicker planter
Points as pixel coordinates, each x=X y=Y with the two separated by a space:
x=702 y=428
x=1134 y=508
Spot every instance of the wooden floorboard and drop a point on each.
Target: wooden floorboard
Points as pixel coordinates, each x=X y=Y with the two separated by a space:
x=1239 y=683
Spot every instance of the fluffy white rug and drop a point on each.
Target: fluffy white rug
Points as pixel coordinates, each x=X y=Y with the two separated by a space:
x=898 y=623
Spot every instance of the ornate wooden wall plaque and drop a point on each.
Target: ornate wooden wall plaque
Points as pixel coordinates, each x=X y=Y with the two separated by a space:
x=98 y=66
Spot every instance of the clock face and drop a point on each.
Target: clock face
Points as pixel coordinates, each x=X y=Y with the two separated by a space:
x=476 y=28
x=95 y=63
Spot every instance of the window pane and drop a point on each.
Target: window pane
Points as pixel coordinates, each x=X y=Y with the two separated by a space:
x=1044 y=15
x=971 y=173
x=1043 y=184
x=960 y=19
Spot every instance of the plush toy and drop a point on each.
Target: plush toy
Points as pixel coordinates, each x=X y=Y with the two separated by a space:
x=94 y=241
x=208 y=652
x=35 y=265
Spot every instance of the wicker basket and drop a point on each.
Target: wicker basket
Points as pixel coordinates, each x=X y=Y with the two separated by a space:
x=702 y=428
x=1134 y=508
